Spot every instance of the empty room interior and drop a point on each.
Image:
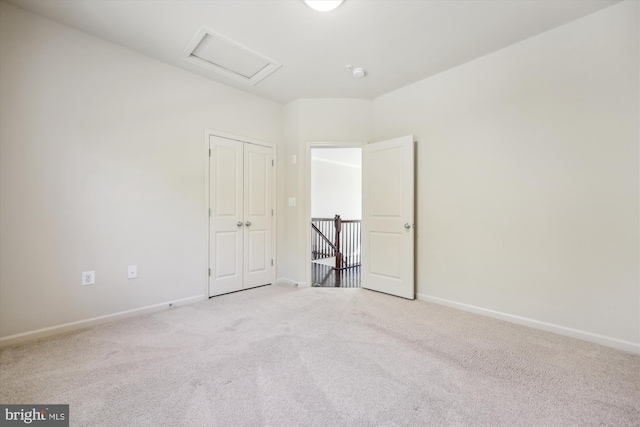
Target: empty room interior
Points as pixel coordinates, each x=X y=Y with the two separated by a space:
x=157 y=233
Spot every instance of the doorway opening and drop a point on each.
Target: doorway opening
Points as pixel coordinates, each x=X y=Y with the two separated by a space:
x=336 y=215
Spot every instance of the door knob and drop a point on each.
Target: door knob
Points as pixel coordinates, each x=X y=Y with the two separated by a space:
x=248 y=223
x=407 y=226
x=239 y=224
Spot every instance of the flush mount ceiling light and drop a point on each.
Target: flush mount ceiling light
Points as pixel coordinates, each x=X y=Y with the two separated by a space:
x=323 y=5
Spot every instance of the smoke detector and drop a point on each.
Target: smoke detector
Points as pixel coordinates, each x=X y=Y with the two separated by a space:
x=357 y=73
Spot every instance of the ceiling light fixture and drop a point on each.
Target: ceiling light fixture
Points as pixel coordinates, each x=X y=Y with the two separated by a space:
x=323 y=5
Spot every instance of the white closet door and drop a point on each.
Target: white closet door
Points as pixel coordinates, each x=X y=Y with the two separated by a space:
x=226 y=223
x=257 y=215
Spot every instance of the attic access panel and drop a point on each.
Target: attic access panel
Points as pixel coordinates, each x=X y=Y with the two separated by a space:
x=217 y=53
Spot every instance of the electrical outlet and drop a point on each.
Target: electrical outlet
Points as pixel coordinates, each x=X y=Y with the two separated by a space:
x=132 y=272
x=292 y=201
x=88 y=278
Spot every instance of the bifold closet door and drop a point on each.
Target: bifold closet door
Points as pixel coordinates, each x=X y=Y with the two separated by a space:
x=240 y=186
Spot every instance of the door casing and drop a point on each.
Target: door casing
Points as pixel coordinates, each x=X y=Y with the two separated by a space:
x=305 y=202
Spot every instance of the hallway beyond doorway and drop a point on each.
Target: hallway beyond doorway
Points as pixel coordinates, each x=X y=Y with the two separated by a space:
x=325 y=276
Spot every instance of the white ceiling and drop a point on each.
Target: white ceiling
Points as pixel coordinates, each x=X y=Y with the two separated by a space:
x=345 y=156
x=397 y=41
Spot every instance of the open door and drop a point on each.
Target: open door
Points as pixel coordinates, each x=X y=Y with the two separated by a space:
x=387 y=217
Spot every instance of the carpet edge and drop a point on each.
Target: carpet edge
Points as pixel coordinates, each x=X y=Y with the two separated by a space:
x=93 y=321
x=607 y=341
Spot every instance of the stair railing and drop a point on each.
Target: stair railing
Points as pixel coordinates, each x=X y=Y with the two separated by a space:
x=339 y=238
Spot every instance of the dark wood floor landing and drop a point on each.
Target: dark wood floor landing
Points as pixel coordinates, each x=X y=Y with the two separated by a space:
x=324 y=276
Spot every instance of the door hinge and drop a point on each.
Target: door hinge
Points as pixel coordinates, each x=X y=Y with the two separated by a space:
x=271 y=263
x=209 y=272
x=209 y=152
x=272 y=162
x=271 y=212
x=209 y=212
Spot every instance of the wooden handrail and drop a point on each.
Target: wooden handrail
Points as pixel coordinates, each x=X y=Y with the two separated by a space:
x=332 y=219
x=324 y=237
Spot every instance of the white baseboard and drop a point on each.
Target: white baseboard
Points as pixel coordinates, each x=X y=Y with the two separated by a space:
x=81 y=324
x=285 y=281
x=537 y=324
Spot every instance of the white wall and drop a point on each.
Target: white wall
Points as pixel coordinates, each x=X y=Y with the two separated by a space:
x=307 y=121
x=528 y=178
x=102 y=166
x=336 y=183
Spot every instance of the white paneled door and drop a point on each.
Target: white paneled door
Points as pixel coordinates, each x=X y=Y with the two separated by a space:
x=388 y=217
x=240 y=223
x=257 y=215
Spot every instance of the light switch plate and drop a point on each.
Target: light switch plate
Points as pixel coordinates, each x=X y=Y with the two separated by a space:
x=132 y=272
x=292 y=201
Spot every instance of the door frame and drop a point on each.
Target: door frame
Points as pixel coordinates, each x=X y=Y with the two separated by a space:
x=207 y=170
x=305 y=195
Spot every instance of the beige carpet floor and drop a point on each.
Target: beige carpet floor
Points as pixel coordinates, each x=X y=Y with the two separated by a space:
x=284 y=356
